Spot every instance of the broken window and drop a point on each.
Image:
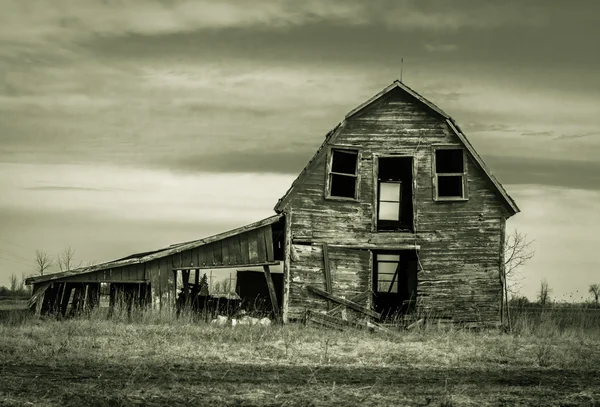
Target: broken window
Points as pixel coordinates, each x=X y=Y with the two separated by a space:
x=450 y=174
x=394 y=204
x=387 y=273
x=394 y=282
x=343 y=174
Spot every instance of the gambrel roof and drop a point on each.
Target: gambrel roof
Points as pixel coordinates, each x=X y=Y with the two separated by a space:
x=510 y=204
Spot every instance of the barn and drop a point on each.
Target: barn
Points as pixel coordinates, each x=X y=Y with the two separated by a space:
x=395 y=216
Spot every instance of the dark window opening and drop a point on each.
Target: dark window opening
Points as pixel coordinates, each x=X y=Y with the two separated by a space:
x=394 y=192
x=395 y=283
x=450 y=173
x=450 y=186
x=344 y=162
x=343 y=176
x=449 y=161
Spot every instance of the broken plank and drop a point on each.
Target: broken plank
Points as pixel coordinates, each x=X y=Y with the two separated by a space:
x=359 y=297
x=344 y=301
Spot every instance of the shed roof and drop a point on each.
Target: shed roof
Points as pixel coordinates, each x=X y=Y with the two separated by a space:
x=147 y=256
x=508 y=201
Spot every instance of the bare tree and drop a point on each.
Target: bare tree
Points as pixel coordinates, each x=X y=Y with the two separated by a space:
x=65 y=259
x=595 y=291
x=517 y=252
x=14 y=283
x=43 y=262
x=544 y=293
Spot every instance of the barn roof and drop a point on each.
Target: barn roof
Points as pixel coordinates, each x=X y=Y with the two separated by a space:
x=508 y=201
x=147 y=256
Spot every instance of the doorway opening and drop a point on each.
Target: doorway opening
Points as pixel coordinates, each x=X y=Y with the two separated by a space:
x=394 y=282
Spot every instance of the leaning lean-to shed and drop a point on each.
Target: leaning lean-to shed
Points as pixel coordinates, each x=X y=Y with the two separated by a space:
x=396 y=214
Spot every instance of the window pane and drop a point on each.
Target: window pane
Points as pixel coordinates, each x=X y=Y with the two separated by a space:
x=449 y=161
x=389 y=211
x=389 y=191
x=450 y=186
x=344 y=162
x=343 y=186
x=388 y=257
x=384 y=286
x=386 y=269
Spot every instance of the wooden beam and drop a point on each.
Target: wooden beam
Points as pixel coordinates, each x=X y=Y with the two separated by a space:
x=231 y=266
x=327 y=270
x=344 y=301
x=272 y=292
x=340 y=307
x=287 y=257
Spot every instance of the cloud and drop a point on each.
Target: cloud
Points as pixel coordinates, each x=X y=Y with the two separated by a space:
x=584 y=175
x=61 y=188
x=573 y=136
x=537 y=133
x=33 y=21
x=441 y=47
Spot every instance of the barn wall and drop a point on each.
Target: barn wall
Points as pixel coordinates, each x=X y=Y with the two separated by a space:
x=459 y=241
x=308 y=268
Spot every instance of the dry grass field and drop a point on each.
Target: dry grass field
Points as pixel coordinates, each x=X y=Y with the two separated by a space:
x=154 y=360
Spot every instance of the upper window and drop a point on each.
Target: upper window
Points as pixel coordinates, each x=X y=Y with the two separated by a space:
x=343 y=174
x=450 y=174
x=394 y=193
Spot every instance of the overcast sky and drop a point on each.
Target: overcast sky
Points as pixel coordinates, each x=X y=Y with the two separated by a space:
x=129 y=125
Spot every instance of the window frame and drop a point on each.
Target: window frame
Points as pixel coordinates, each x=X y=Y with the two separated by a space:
x=329 y=173
x=463 y=175
x=375 y=213
x=394 y=275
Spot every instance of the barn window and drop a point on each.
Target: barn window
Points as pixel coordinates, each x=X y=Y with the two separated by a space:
x=343 y=174
x=394 y=193
x=450 y=174
x=387 y=273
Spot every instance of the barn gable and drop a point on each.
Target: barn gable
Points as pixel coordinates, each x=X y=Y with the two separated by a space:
x=434 y=110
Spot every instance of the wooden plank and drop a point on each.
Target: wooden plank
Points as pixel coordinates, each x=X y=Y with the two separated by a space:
x=253 y=248
x=272 y=293
x=217 y=253
x=327 y=269
x=268 y=234
x=225 y=252
x=339 y=307
x=237 y=247
x=347 y=303
x=245 y=248
x=225 y=266
x=202 y=257
x=287 y=247
x=259 y=236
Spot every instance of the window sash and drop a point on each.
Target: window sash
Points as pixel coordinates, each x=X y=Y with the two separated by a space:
x=331 y=173
x=437 y=175
x=448 y=197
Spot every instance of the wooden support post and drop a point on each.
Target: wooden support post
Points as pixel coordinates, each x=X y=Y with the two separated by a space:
x=185 y=277
x=66 y=295
x=272 y=292
x=327 y=270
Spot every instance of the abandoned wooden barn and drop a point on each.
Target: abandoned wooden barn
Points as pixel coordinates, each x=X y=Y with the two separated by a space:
x=395 y=214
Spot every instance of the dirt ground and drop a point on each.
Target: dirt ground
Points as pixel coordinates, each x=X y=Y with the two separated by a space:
x=284 y=385
x=107 y=364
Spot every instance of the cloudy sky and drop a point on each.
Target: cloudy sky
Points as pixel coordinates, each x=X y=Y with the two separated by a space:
x=129 y=125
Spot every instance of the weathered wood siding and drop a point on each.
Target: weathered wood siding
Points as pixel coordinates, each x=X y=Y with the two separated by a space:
x=347 y=272
x=460 y=241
